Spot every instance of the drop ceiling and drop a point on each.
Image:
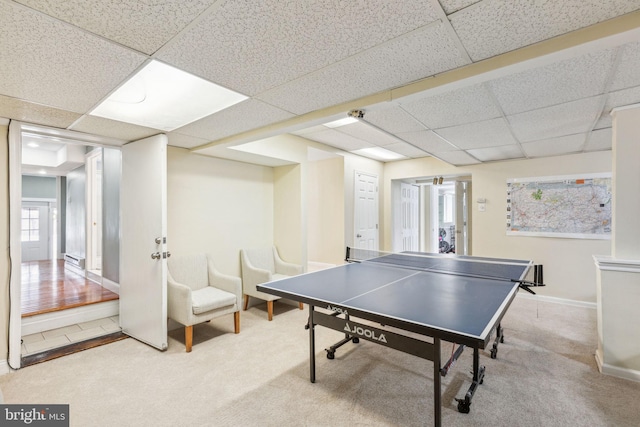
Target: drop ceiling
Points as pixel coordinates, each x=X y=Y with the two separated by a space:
x=461 y=80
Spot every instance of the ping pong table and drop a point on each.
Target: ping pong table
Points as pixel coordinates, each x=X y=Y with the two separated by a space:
x=458 y=299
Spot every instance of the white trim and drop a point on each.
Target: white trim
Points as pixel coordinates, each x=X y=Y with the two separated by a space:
x=110 y=285
x=608 y=263
x=624 y=373
x=625 y=107
x=556 y=300
x=60 y=319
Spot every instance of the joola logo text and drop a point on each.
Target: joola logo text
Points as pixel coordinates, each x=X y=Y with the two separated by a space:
x=338 y=309
x=367 y=333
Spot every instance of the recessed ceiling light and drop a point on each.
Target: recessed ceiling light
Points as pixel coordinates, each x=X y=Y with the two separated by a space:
x=378 y=153
x=163 y=97
x=341 y=122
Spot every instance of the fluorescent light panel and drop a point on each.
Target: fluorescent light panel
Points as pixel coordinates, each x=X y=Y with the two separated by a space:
x=163 y=97
x=341 y=122
x=379 y=153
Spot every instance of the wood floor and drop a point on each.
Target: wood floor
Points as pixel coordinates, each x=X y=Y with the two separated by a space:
x=47 y=286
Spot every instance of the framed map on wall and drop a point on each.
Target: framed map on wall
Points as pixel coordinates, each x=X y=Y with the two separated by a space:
x=572 y=206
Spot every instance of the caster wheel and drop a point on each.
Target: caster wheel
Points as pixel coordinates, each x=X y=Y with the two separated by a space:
x=463 y=407
x=355 y=340
x=502 y=339
x=331 y=355
x=306 y=326
x=494 y=353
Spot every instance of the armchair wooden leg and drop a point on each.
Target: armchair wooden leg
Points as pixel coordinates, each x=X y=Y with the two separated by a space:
x=246 y=302
x=301 y=306
x=236 y=322
x=270 y=309
x=188 y=337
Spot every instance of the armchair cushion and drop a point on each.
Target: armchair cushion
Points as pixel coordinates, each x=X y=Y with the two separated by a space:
x=210 y=298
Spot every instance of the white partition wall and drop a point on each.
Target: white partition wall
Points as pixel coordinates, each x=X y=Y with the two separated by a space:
x=618 y=275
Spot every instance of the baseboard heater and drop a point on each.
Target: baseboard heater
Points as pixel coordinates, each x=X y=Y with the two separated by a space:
x=74 y=261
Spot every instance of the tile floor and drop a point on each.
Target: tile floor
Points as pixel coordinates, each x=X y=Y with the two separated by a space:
x=54 y=338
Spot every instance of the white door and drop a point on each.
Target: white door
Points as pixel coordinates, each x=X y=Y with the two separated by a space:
x=143 y=250
x=410 y=216
x=366 y=212
x=34 y=231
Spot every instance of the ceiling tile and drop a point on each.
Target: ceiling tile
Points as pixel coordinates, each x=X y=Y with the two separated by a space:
x=339 y=140
x=564 y=119
x=599 y=140
x=311 y=129
x=393 y=119
x=553 y=84
x=407 y=150
x=241 y=117
x=428 y=141
x=627 y=74
x=451 y=6
x=620 y=98
x=503 y=152
x=456 y=158
x=113 y=129
x=17 y=109
x=555 y=146
x=276 y=44
x=144 y=26
x=52 y=63
x=368 y=133
x=489 y=133
x=185 y=141
x=419 y=54
x=466 y=105
x=492 y=27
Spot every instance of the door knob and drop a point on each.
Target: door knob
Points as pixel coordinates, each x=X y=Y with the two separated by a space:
x=358 y=235
x=155 y=255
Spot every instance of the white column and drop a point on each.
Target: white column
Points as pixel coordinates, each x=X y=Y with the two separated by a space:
x=618 y=275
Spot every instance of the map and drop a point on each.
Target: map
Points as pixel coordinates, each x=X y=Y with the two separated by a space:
x=567 y=206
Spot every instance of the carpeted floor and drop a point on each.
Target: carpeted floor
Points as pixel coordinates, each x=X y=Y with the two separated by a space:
x=545 y=375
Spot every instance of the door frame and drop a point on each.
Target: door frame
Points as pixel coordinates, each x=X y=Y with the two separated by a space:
x=16 y=130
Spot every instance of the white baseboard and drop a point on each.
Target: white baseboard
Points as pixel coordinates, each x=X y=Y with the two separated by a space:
x=614 y=371
x=112 y=286
x=556 y=300
x=60 y=319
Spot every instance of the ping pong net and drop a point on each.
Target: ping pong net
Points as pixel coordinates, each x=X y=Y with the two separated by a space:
x=508 y=270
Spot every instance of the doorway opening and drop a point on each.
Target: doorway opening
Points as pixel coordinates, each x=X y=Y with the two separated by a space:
x=431 y=214
x=54 y=301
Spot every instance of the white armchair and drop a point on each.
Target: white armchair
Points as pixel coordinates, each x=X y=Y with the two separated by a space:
x=197 y=293
x=261 y=266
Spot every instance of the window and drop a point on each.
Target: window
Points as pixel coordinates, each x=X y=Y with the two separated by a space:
x=30 y=224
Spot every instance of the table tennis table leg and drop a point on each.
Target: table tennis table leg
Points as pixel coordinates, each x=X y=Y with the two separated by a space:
x=464 y=404
x=312 y=346
x=499 y=339
x=437 y=405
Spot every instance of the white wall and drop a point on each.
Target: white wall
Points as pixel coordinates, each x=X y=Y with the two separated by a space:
x=289 y=231
x=569 y=269
x=218 y=206
x=325 y=210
